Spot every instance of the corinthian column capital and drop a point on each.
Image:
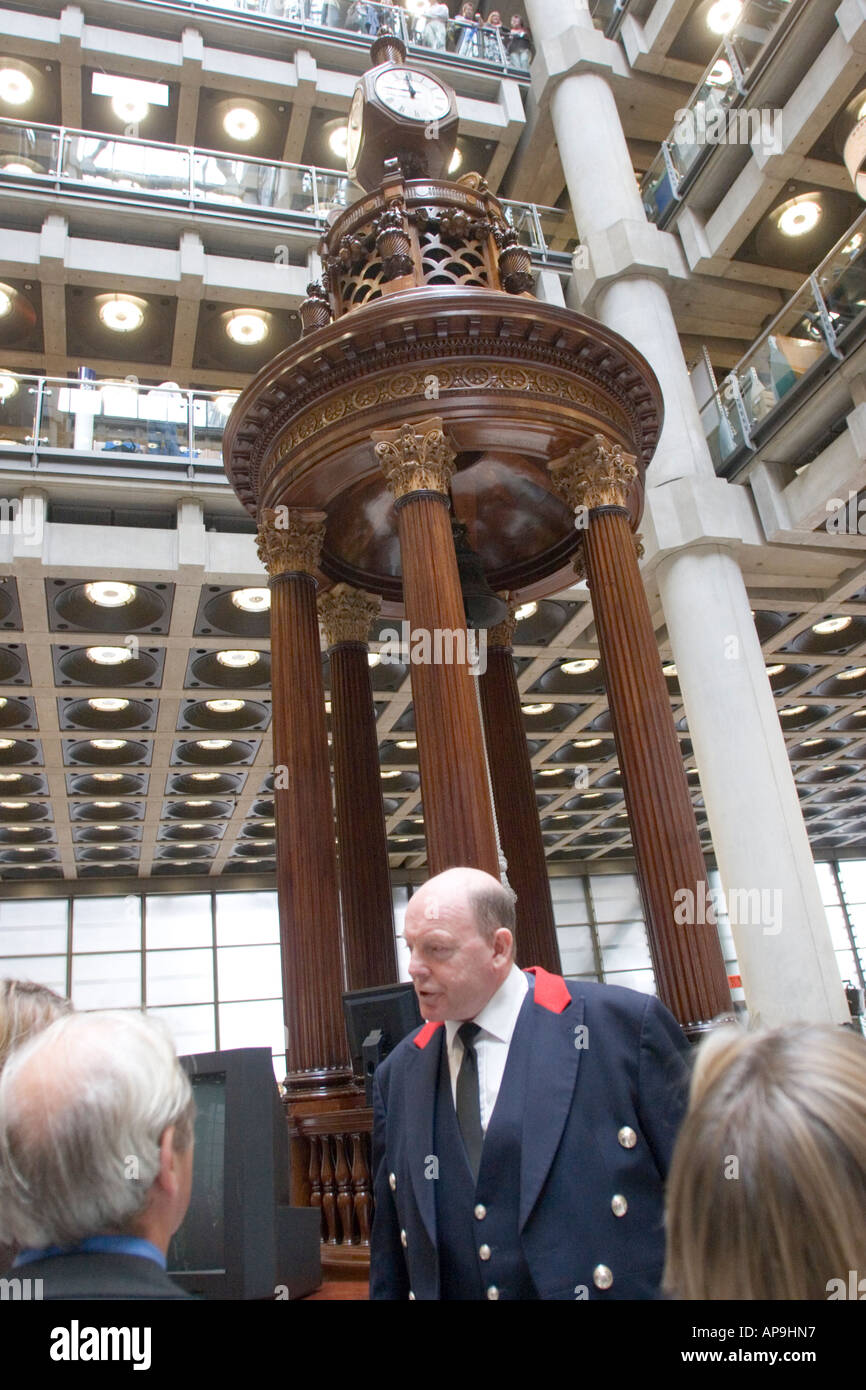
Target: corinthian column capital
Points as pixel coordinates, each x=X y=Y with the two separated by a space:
x=415 y=458
x=346 y=614
x=290 y=541
x=596 y=474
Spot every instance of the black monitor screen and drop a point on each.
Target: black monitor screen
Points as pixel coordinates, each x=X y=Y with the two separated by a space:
x=199 y=1245
x=393 y=1008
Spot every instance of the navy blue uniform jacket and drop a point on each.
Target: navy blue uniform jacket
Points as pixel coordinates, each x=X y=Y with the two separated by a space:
x=608 y=1088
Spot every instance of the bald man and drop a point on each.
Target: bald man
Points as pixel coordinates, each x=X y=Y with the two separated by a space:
x=523 y=1134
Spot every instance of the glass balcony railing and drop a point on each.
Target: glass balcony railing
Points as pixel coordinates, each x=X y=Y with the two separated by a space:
x=207 y=180
x=715 y=114
x=115 y=419
x=820 y=322
x=429 y=33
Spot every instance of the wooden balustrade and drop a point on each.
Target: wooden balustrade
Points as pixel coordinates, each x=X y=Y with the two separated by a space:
x=335 y=1148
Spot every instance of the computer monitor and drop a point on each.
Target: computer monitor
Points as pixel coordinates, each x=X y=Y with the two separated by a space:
x=240 y=1238
x=391 y=1010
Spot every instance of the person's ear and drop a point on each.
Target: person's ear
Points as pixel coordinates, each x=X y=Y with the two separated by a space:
x=503 y=943
x=168 y=1170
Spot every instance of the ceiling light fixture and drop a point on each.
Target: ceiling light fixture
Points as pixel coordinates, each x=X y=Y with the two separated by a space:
x=108 y=745
x=5 y=303
x=205 y=776
x=338 y=141
x=408 y=743
x=543 y=708
x=224 y=706
x=240 y=123
x=121 y=314
x=225 y=402
x=831 y=625
x=109 y=656
x=790 y=710
x=14 y=805
x=587 y=742
x=247 y=328
x=723 y=15
x=8 y=386
x=669 y=668
x=10 y=776
x=799 y=217
x=776 y=670
x=130 y=109
x=107 y=805
x=213 y=745
x=252 y=600
x=390 y=773
x=456 y=161
x=7 y=743
x=236 y=658
x=16 y=87
x=110 y=594
x=580 y=667
x=108 y=704
x=108 y=776
x=373 y=658
x=526 y=610
x=199 y=803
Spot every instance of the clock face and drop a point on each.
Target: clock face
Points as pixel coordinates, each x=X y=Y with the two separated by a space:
x=353 y=139
x=413 y=94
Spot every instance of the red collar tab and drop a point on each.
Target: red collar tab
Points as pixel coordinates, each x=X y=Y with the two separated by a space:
x=421 y=1039
x=551 y=991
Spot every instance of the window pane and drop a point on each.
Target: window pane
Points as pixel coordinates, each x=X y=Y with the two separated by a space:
x=569 y=901
x=43 y=970
x=184 y=920
x=642 y=980
x=253 y=1025
x=33 y=928
x=575 y=951
x=624 y=946
x=400 y=897
x=193 y=1029
x=179 y=977
x=246 y=917
x=107 y=982
x=249 y=972
x=852 y=872
x=106 y=924
x=847 y=967
x=615 y=897
x=827 y=884
x=838 y=932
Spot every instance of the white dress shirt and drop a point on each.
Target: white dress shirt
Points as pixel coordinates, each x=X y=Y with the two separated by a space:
x=497 y=1021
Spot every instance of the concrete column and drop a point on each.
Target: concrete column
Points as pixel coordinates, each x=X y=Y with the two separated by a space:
x=788 y=967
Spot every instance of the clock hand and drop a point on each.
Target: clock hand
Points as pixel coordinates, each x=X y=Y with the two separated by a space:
x=412 y=91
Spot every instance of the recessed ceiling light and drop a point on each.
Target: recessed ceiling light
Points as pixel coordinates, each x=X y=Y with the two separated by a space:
x=390 y=773
x=130 y=109
x=338 y=141
x=799 y=217
x=247 y=328
x=856 y=241
x=109 y=656
x=526 y=610
x=373 y=658
x=3 y=702
x=199 y=803
x=580 y=667
x=237 y=658
x=110 y=594
x=269 y=823
x=15 y=167
x=456 y=161
x=831 y=625
x=669 y=668
x=406 y=743
x=108 y=776
x=776 y=670
x=19 y=829
x=107 y=805
x=240 y=123
x=252 y=600
x=107 y=829
x=14 y=805
x=25 y=849
x=211 y=745
x=108 y=704
x=811 y=742
x=108 y=745
x=854 y=674
x=16 y=87
x=205 y=776
x=550 y=772
x=587 y=742
x=7 y=743
x=120 y=314
x=225 y=402
x=10 y=776
x=192 y=825
x=181 y=863
x=543 y=708
x=5 y=304
x=590 y=796
x=723 y=15
x=8 y=386
x=224 y=706
x=792 y=709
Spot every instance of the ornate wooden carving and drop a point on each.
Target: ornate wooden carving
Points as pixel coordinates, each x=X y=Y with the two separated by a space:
x=415 y=458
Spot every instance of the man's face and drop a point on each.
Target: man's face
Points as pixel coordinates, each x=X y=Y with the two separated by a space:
x=454 y=970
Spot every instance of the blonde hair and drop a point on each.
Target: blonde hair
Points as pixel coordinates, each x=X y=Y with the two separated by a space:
x=25 y=1009
x=766 y=1196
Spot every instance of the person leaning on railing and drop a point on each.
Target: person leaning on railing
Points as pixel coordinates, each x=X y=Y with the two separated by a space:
x=518 y=44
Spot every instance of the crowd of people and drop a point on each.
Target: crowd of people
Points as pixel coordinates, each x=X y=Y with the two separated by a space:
x=736 y=1170
x=429 y=23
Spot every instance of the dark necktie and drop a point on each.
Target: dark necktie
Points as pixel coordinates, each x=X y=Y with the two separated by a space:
x=468 y=1104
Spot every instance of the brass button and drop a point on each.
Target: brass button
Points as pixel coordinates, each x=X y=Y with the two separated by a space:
x=480 y=1212
x=392 y=1181
x=411 y=1296
x=403 y=1240
x=618 y=1204
x=484 y=1252
x=493 y=1293
x=602 y=1277
x=627 y=1137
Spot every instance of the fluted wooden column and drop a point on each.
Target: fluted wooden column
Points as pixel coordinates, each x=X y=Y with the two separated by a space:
x=687 y=960
x=306 y=854
x=514 y=799
x=365 y=878
x=418 y=463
